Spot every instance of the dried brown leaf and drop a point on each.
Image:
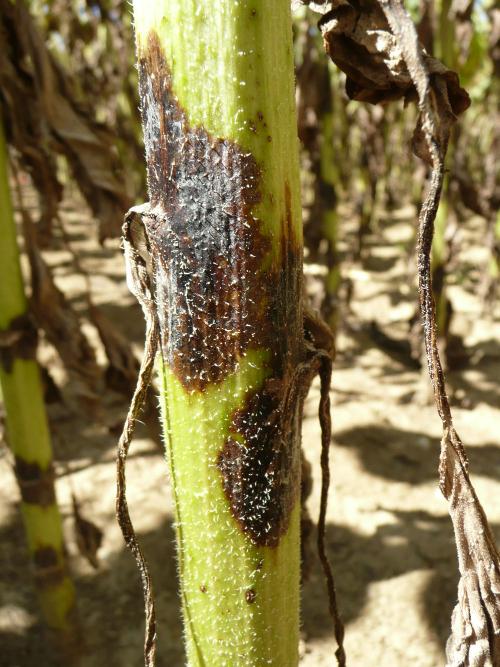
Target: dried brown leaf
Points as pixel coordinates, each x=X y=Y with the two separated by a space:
x=123 y=367
x=460 y=15
x=475 y=623
x=26 y=131
x=88 y=535
x=470 y=194
x=61 y=324
x=494 y=40
x=54 y=123
x=377 y=45
x=360 y=41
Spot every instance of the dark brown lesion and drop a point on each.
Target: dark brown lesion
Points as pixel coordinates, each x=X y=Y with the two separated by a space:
x=219 y=288
x=36 y=483
x=222 y=286
x=250 y=596
x=260 y=460
x=259 y=465
x=18 y=341
x=49 y=567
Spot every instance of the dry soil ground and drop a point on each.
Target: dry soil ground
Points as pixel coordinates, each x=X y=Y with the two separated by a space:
x=388 y=532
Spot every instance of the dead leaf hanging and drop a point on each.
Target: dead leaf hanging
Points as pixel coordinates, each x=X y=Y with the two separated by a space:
x=88 y=535
x=60 y=322
x=360 y=42
x=55 y=123
x=376 y=45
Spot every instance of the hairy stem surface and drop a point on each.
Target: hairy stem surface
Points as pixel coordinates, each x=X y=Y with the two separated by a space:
x=224 y=250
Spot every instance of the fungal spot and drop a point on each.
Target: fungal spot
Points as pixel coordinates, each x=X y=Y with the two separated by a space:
x=260 y=115
x=203 y=588
x=269 y=138
x=49 y=570
x=259 y=468
x=18 y=341
x=45 y=557
x=260 y=462
x=216 y=286
x=221 y=288
x=250 y=596
x=36 y=484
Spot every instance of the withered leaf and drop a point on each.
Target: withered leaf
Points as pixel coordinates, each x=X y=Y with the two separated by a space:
x=88 y=535
x=61 y=324
x=461 y=15
x=53 y=122
x=26 y=131
x=123 y=367
x=475 y=623
x=360 y=41
x=376 y=44
x=471 y=194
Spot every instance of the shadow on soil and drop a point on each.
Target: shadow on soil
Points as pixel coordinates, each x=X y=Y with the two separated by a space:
x=416 y=540
x=410 y=456
x=109 y=601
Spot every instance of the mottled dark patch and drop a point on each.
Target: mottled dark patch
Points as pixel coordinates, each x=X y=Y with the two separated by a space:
x=45 y=557
x=36 y=484
x=49 y=569
x=221 y=288
x=18 y=341
x=328 y=195
x=260 y=461
x=250 y=596
x=259 y=467
x=217 y=291
x=203 y=588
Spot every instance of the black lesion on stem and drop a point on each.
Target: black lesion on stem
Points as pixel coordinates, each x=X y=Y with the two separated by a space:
x=260 y=476
x=215 y=299
x=36 y=483
x=221 y=287
x=18 y=341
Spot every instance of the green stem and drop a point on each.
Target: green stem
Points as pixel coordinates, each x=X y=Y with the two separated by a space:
x=446 y=48
x=224 y=230
x=27 y=429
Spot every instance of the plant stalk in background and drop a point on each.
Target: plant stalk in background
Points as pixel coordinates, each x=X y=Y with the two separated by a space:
x=28 y=432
